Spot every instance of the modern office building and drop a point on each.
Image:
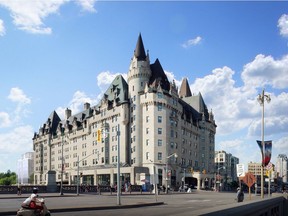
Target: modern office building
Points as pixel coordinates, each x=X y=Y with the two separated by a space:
x=25 y=168
x=281 y=167
x=159 y=128
x=225 y=166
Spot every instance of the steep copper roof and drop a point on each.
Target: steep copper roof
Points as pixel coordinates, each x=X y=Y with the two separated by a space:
x=185 y=89
x=158 y=76
x=53 y=121
x=139 y=51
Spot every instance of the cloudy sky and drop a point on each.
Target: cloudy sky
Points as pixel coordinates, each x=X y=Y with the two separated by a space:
x=56 y=54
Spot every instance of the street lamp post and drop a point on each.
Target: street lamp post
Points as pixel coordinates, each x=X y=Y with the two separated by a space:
x=261 y=99
x=167 y=158
x=62 y=161
x=118 y=167
x=218 y=171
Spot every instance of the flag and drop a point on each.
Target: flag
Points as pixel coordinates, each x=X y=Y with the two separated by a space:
x=266 y=156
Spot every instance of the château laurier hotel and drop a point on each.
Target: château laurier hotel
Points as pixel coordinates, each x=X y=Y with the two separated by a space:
x=160 y=126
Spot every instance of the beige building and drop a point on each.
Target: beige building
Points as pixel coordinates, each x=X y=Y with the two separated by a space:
x=156 y=122
x=255 y=169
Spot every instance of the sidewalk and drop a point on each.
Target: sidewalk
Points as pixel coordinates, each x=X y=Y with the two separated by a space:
x=10 y=203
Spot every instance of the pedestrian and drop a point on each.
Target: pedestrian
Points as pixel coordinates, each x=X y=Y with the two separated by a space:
x=19 y=190
x=240 y=195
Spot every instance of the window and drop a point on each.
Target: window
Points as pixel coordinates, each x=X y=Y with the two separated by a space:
x=159 y=119
x=159 y=156
x=147 y=119
x=147 y=130
x=159 y=130
x=160 y=95
x=147 y=142
x=172 y=133
x=159 y=142
x=159 y=107
x=147 y=155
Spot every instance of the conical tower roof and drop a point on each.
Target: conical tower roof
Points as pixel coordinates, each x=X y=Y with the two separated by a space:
x=139 y=51
x=185 y=89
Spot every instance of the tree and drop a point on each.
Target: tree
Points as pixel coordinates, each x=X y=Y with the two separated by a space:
x=8 y=178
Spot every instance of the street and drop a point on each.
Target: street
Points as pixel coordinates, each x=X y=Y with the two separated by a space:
x=176 y=204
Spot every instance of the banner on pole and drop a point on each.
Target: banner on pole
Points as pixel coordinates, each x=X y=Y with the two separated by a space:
x=266 y=156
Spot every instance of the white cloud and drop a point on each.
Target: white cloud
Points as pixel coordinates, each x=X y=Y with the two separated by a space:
x=283 y=25
x=87 y=5
x=265 y=70
x=17 y=140
x=76 y=104
x=276 y=119
x=228 y=102
x=171 y=77
x=105 y=78
x=192 y=42
x=2 y=28
x=29 y=15
x=17 y=95
x=4 y=120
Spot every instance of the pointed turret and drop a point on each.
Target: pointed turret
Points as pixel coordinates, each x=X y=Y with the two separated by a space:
x=185 y=89
x=53 y=121
x=158 y=76
x=139 y=51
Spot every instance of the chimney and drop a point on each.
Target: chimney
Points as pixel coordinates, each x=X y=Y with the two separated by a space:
x=68 y=113
x=86 y=106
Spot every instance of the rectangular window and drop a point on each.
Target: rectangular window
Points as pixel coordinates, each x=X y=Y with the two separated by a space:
x=159 y=107
x=159 y=119
x=147 y=155
x=147 y=130
x=160 y=95
x=159 y=156
x=159 y=142
x=147 y=142
x=159 y=130
x=147 y=119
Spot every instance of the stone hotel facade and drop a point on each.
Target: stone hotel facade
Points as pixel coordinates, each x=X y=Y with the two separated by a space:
x=160 y=127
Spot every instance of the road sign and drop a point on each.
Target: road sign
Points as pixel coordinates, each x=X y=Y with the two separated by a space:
x=269 y=166
x=240 y=170
x=249 y=179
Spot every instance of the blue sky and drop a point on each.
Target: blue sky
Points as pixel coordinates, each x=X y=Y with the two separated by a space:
x=59 y=54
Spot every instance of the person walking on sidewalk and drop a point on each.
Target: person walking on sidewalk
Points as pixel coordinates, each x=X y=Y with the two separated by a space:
x=240 y=195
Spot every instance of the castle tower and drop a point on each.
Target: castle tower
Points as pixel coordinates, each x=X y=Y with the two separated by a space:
x=138 y=77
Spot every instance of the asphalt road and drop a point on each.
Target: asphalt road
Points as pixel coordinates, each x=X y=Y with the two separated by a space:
x=176 y=204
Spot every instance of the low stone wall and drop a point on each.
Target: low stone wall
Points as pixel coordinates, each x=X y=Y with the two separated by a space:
x=66 y=189
x=275 y=206
x=24 y=189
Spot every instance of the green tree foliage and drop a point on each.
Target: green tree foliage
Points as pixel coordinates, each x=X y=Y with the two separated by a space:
x=8 y=178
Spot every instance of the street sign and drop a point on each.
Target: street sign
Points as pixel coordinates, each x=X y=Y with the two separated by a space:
x=240 y=170
x=269 y=166
x=249 y=179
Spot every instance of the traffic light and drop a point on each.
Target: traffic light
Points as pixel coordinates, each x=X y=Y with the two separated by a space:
x=98 y=135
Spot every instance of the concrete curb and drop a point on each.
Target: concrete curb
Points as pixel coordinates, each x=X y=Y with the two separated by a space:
x=91 y=208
